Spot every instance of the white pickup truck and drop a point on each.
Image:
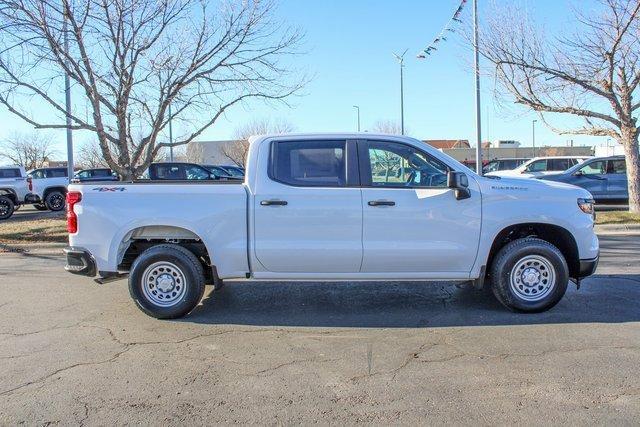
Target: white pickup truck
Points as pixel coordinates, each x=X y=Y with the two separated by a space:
x=334 y=207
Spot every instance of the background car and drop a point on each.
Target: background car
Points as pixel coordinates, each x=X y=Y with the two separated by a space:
x=604 y=177
x=49 y=188
x=236 y=171
x=98 y=174
x=540 y=166
x=220 y=172
x=15 y=186
x=173 y=171
x=504 y=164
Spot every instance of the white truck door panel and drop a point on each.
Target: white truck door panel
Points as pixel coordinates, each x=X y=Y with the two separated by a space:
x=411 y=221
x=319 y=229
x=427 y=230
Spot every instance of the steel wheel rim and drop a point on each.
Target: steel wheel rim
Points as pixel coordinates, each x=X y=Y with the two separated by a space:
x=56 y=201
x=532 y=278
x=163 y=284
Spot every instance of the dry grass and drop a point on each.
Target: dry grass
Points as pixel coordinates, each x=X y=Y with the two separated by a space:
x=46 y=230
x=620 y=217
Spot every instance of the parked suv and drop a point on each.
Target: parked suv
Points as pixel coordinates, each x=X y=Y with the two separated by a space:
x=49 y=188
x=604 y=177
x=540 y=166
x=98 y=174
x=504 y=164
x=14 y=188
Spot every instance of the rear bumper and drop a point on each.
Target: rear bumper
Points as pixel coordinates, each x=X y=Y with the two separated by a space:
x=588 y=266
x=80 y=261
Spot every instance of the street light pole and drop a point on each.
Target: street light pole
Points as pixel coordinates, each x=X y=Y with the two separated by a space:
x=67 y=99
x=170 y=135
x=400 y=59
x=358 y=108
x=477 y=72
x=533 y=136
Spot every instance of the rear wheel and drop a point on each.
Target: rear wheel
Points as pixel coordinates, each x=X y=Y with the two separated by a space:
x=6 y=207
x=529 y=275
x=166 y=281
x=55 y=201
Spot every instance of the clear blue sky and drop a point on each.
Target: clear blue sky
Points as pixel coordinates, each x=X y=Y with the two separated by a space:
x=350 y=45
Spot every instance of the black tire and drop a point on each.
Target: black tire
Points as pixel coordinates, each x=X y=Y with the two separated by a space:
x=6 y=207
x=187 y=287
x=533 y=290
x=55 y=201
x=41 y=207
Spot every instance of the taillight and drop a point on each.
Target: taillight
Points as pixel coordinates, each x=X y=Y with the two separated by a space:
x=30 y=182
x=73 y=197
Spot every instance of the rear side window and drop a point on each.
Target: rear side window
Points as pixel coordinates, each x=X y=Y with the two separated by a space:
x=9 y=173
x=56 y=173
x=171 y=172
x=309 y=163
x=560 y=164
x=617 y=166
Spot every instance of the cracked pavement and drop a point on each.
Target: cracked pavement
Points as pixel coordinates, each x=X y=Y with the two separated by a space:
x=73 y=352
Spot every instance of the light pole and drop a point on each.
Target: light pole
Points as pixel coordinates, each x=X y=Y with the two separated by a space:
x=170 y=135
x=67 y=100
x=533 y=136
x=400 y=59
x=477 y=71
x=358 y=109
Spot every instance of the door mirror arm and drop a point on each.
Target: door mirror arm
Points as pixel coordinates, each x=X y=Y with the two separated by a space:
x=459 y=182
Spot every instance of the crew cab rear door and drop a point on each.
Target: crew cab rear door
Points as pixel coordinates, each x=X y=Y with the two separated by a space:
x=412 y=222
x=308 y=210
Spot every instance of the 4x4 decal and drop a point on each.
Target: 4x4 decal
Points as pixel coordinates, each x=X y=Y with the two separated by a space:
x=114 y=189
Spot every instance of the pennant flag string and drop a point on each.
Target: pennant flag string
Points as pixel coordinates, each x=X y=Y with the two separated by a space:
x=447 y=28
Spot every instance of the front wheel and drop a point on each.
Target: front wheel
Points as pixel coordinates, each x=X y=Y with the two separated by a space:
x=529 y=275
x=166 y=281
x=6 y=207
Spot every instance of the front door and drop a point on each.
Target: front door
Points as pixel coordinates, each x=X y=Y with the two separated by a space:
x=593 y=178
x=308 y=213
x=412 y=221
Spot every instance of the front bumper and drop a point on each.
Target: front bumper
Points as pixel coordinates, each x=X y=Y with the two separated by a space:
x=588 y=267
x=80 y=261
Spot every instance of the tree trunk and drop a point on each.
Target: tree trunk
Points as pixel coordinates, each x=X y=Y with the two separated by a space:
x=632 y=159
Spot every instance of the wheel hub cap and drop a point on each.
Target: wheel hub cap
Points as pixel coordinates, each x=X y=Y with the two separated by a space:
x=532 y=278
x=163 y=284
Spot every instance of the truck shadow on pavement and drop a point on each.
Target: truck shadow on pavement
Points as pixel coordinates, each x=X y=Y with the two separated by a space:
x=601 y=299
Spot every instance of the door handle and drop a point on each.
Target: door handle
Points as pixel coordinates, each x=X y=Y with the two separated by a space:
x=273 y=203
x=381 y=203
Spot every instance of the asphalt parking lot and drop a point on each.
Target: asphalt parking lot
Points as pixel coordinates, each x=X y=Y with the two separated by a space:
x=74 y=352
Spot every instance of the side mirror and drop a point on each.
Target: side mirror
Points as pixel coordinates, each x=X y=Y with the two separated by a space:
x=460 y=183
x=213 y=176
x=578 y=173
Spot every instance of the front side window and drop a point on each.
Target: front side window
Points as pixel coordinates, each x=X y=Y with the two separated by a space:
x=537 y=166
x=309 y=163
x=196 y=173
x=594 y=168
x=399 y=165
x=37 y=174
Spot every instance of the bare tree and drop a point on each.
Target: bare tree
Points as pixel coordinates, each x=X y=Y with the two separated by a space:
x=194 y=153
x=592 y=74
x=30 y=150
x=129 y=60
x=388 y=127
x=236 y=150
x=89 y=156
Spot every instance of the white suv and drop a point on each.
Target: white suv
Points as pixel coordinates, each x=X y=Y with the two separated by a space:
x=14 y=188
x=541 y=166
x=49 y=188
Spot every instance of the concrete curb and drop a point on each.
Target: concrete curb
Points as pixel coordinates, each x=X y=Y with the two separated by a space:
x=52 y=248
x=617 y=228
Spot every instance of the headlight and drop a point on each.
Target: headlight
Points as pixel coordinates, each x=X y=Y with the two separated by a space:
x=586 y=205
